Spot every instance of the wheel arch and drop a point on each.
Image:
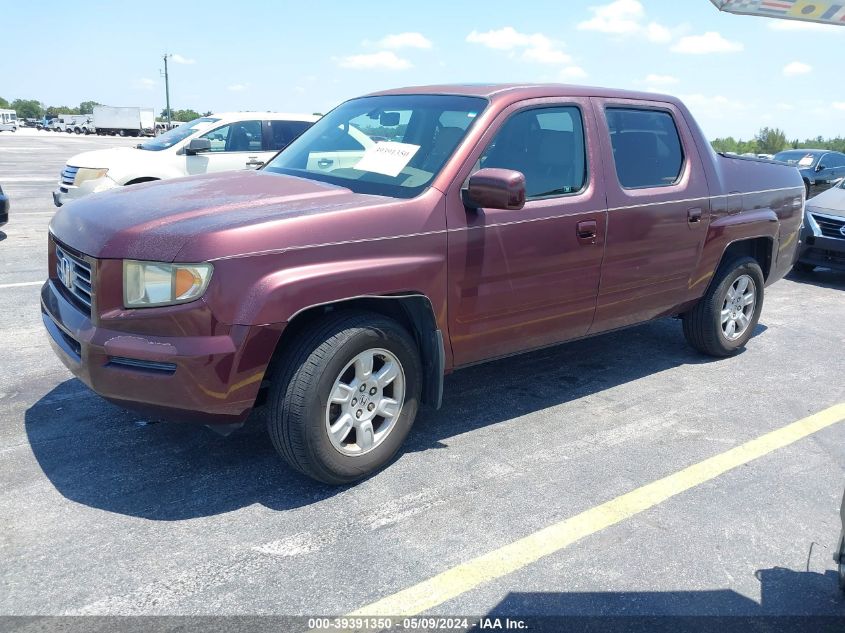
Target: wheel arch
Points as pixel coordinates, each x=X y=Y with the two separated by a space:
x=759 y=248
x=414 y=311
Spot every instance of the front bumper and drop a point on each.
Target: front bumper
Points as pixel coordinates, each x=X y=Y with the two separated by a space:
x=204 y=379
x=828 y=252
x=68 y=193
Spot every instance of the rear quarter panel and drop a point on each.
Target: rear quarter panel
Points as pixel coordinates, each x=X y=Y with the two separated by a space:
x=750 y=199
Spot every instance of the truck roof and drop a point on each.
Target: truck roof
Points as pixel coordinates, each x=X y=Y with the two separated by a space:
x=527 y=91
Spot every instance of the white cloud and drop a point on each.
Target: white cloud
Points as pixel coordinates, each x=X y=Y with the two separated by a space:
x=626 y=17
x=786 y=107
x=508 y=38
x=572 y=72
x=709 y=42
x=793 y=25
x=402 y=40
x=237 y=87
x=546 y=56
x=839 y=105
x=658 y=33
x=713 y=105
x=660 y=80
x=385 y=60
x=796 y=68
x=536 y=47
x=179 y=59
x=144 y=83
x=619 y=17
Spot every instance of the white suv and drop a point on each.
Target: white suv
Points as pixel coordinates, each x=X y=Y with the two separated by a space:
x=221 y=142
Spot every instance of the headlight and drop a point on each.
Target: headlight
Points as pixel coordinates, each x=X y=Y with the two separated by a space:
x=87 y=173
x=149 y=284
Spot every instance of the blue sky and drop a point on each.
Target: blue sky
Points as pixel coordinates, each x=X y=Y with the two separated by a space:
x=736 y=73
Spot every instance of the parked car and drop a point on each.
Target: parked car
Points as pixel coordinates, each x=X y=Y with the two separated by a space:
x=339 y=283
x=4 y=207
x=823 y=235
x=221 y=142
x=819 y=168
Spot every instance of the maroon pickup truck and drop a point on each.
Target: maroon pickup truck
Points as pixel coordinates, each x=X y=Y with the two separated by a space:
x=407 y=234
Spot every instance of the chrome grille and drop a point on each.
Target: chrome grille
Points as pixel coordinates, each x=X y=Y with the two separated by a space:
x=69 y=174
x=830 y=226
x=74 y=273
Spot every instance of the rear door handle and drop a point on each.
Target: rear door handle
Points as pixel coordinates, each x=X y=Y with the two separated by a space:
x=587 y=231
x=254 y=162
x=694 y=215
x=324 y=162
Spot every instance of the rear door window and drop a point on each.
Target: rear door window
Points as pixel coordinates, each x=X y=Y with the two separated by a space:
x=283 y=132
x=647 y=149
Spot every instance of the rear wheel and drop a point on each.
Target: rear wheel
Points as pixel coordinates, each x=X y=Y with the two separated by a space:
x=343 y=399
x=724 y=319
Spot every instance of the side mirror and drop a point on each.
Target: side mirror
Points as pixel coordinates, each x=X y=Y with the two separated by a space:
x=494 y=188
x=820 y=167
x=197 y=145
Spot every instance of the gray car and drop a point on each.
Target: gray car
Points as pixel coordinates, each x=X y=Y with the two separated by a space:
x=819 y=168
x=823 y=235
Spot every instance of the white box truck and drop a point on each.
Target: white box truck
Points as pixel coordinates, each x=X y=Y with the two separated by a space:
x=124 y=121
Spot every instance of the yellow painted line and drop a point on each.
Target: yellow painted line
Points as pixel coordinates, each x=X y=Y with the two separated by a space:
x=514 y=556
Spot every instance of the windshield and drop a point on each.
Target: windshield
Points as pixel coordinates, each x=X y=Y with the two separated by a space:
x=169 y=139
x=391 y=145
x=800 y=158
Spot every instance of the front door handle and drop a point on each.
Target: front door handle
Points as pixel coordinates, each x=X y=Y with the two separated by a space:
x=587 y=231
x=694 y=215
x=323 y=163
x=254 y=162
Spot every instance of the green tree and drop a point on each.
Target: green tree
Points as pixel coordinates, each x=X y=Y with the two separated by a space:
x=57 y=110
x=27 y=108
x=770 y=140
x=87 y=107
x=181 y=115
x=3 y=103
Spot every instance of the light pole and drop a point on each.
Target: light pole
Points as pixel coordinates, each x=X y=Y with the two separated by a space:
x=167 y=88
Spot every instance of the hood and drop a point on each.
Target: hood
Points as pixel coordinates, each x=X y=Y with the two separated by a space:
x=206 y=217
x=105 y=158
x=831 y=202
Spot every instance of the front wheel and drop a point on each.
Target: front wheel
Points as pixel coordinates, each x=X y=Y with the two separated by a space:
x=343 y=399
x=723 y=321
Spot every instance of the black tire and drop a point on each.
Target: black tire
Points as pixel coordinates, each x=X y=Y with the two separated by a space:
x=841 y=565
x=121 y=133
x=806 y=189
x=703 y=324
x=301 y=382
x=801 y=267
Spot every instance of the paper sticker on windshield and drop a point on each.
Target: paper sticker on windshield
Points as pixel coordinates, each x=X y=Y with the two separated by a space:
x=387 y=157
x=806 y=161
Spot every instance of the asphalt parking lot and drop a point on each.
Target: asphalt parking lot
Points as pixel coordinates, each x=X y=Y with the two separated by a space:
x=103 y=512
